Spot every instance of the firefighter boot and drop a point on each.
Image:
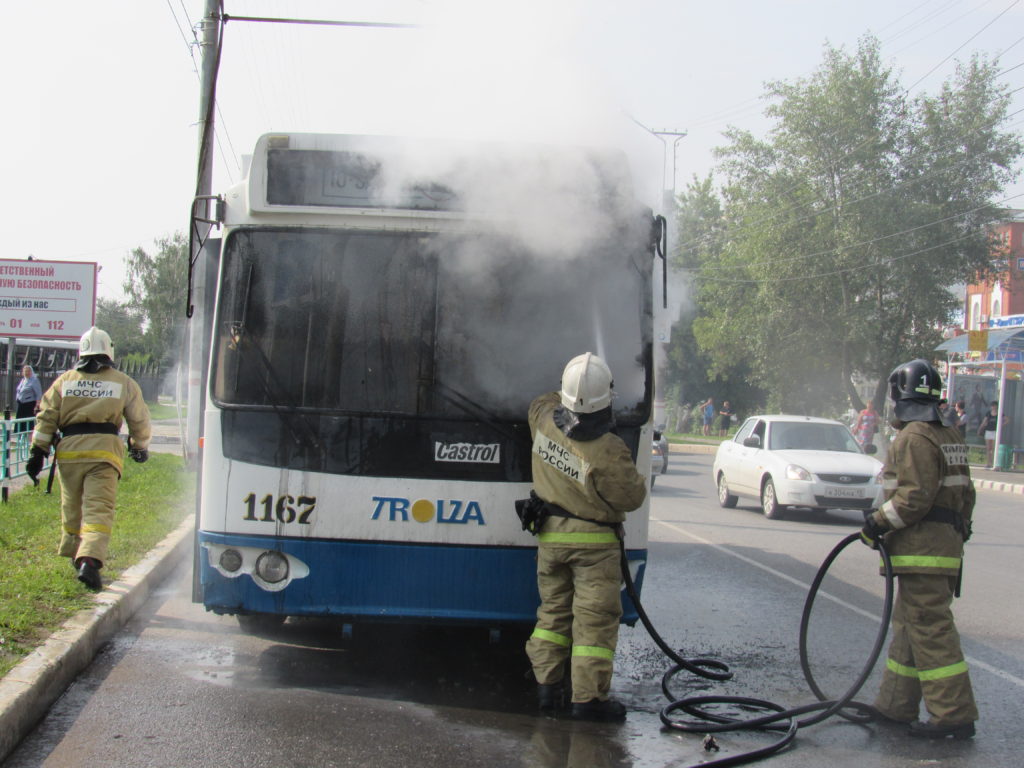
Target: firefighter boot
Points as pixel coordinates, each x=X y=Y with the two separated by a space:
x=607 y=710
x=89 y=573
x=550 y=696
x=930 y=730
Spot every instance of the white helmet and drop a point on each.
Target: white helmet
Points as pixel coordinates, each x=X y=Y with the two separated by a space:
x=586 y=384
x=95 y=342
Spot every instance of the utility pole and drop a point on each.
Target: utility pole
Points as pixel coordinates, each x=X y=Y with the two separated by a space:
x=663 y=324
x=199 y=231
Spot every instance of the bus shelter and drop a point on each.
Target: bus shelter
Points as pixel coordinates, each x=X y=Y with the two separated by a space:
x=996 y=356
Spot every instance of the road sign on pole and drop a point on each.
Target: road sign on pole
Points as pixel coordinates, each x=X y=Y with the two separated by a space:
x=47 y=299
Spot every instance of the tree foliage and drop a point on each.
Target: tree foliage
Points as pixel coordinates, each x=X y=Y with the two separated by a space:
x=837 y=237
x=155 y=289
x=124 y=327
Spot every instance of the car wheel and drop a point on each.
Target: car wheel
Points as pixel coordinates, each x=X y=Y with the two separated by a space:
x=770 y=502
x=664 y=464
x=725 y=498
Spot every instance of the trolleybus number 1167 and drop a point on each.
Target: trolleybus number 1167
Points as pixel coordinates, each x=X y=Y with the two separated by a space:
x=280 y=510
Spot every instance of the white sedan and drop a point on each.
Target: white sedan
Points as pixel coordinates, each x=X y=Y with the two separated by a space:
x=797 y=461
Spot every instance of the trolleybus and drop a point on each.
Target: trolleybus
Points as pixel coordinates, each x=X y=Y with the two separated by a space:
x=386 y=310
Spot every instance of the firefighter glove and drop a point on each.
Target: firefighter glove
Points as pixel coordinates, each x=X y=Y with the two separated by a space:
x=34 y=465
x=871 y=532
x=139 y=454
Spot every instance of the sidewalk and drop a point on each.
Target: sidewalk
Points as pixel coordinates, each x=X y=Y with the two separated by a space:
x=31 y=687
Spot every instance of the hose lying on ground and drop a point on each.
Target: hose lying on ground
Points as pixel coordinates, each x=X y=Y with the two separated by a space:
x=779 y=718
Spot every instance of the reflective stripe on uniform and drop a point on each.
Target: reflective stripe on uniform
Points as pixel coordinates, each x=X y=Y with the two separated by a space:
x=95 y=528
x=98 y=455
x=941 y=673
x=552 y=637
x=595 y=651
x=892 y=516
x=956 y=481
x=924 y=561
x=899 y=669
x=41 y=437
x=578 y=538
x=71 y=531
x=890 y=484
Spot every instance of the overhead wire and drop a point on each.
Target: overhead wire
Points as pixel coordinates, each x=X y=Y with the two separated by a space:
x=993 y=21
x=906 y=91
x=705 y=239
x=944 y=26
x=871 y=265
x=934 y=12
x=190 y=45
x=864 y=243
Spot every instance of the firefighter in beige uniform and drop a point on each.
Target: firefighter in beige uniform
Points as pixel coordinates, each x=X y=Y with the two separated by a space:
x=87 y=405
x=925 y=520
x=580 y=468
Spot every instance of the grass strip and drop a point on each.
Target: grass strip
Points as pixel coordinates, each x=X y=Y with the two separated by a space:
x=38 y=589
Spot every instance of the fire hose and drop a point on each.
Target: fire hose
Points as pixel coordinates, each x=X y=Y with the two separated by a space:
x=779 y=719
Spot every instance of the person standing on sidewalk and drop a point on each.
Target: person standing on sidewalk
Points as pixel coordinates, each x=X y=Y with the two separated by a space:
x=28 y=394
x=87 y=406
x=988 y=427
x=924 y=522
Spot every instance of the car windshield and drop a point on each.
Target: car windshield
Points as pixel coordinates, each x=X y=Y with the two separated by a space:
x=811 y=437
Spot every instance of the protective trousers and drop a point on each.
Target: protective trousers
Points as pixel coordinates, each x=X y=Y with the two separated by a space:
x=925 y=660
x=578 y=616
x=88 y=493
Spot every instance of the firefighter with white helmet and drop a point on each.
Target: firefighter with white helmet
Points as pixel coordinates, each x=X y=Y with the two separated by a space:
x=81 y=414
x=925 y=520
x=588 y=481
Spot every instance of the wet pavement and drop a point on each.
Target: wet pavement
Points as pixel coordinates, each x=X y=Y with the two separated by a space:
x=181 y=687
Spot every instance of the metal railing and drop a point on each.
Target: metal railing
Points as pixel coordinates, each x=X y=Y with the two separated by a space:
x=17 y=442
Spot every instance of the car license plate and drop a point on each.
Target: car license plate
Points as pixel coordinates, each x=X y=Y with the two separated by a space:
x=844 y=493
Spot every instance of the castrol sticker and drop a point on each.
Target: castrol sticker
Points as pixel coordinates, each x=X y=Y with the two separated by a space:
x=468 y=453
x=91 y=389
x=561 y=459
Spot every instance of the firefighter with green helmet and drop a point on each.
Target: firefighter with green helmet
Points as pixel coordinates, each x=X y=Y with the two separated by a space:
x=925 y=520
x=588 y=481
x=81 y=414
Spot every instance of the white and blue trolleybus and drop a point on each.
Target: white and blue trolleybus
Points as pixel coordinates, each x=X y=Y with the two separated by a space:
x=385 y=311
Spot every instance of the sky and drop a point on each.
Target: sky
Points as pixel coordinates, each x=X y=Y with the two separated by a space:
x=102 y=98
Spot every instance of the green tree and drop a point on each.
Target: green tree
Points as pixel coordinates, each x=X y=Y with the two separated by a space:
x=155 y=287
x=844 y=228
x=694 y=374
x=124 y=327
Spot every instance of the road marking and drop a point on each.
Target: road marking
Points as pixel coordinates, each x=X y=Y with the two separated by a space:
x=806 y=587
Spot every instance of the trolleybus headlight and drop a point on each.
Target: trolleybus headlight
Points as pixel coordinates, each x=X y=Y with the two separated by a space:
x=272 y=567
x=230 y=560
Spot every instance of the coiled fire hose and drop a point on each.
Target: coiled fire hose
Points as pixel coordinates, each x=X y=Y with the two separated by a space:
x=779 y=719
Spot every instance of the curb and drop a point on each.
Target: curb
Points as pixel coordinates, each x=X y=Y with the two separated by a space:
x=997 y=485
x=691 y=448
x=29 y=690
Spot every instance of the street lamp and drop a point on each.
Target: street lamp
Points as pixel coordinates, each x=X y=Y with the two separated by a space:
x=664 y=151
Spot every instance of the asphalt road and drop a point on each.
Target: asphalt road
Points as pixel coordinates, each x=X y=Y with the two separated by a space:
x=180 y=687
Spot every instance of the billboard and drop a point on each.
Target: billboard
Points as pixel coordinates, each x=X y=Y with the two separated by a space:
x=47 y=299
